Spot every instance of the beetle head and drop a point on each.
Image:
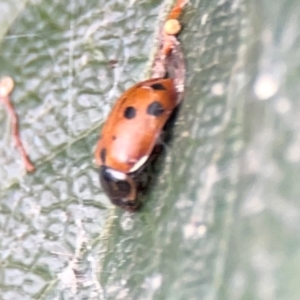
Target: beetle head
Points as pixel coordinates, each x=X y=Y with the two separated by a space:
x=120 y=188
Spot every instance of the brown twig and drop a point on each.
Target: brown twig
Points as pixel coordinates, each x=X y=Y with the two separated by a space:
x=172 y=26
x=177 y=9
x=6 y=87
x=168 y=38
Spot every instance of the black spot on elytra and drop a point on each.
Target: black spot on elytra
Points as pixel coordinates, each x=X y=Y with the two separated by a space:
x=103 y=155
x=158 y=87
x=155 y=109
x=114 y=137
x=129 y=112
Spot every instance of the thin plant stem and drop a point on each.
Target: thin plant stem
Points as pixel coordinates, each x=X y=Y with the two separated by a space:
x=6 y=87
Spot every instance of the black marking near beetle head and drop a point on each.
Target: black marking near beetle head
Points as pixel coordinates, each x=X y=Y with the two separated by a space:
x=158 y=87
x=121 y=192
x=155 y=109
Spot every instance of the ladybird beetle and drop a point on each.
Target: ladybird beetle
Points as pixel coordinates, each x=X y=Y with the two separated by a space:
x=133 y=129
x=134 y=125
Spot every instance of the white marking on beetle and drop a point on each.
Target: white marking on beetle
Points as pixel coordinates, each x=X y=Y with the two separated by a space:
x=116 y=174
x=139 y=163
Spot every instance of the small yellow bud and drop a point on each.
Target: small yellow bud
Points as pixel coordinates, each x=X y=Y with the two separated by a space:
x=6 y=86
x=172 y=27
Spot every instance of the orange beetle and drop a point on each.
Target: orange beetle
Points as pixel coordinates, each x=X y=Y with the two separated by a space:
x=133 y=129
x=135 y=123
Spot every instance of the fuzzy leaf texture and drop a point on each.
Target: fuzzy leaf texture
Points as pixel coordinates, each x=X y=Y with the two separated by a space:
x=221 y=218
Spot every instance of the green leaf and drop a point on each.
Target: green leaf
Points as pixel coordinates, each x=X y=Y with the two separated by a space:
x=10 y=9
x=220 y=219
